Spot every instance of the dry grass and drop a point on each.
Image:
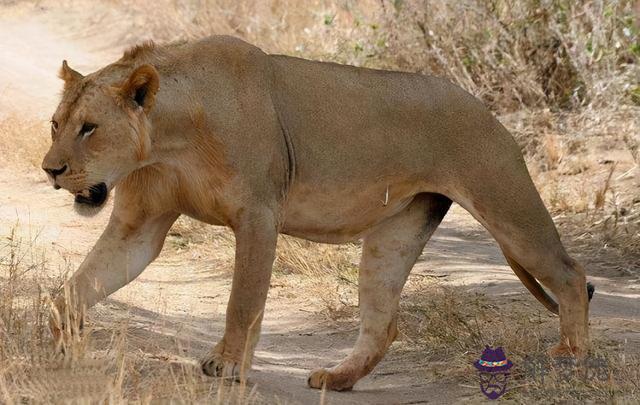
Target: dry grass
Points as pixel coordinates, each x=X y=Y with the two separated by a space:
x=107 y=362
x=449 y=327
x=582 y=163
x=533 y=53
x=327 y=274
x=103 y=364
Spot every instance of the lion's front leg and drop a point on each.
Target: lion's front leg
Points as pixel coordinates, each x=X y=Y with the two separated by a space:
x=256 y=238
x=123 y=251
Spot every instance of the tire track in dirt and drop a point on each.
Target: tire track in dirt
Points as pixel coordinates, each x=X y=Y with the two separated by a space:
x=36 y=38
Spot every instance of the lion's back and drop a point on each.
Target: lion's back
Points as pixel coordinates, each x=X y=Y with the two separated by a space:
x=339 y=115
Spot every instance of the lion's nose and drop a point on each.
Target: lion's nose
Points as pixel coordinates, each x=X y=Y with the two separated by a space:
x=55 y=172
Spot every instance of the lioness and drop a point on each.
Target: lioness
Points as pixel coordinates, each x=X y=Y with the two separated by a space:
x=265 y=144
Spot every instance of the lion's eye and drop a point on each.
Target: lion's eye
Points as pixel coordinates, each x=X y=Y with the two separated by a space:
x=87 y=129
x=54 y=128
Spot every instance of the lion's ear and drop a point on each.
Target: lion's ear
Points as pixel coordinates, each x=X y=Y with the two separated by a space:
x=69 y=75
x=141 y=87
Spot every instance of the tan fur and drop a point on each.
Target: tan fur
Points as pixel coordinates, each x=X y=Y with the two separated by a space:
x=269 y=144
x=69 y=75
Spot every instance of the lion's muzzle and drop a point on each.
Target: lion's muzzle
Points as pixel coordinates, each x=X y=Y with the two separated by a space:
x=95 y=196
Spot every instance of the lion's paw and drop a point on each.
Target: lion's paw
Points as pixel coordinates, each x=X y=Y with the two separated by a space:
x=564 y=350
x=64 y=334
x=322 y=378
x=216 y=366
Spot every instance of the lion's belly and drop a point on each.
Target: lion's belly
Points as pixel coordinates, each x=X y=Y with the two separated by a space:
x=339 y=216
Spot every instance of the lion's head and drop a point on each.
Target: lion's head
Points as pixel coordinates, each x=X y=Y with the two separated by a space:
x=100 y=131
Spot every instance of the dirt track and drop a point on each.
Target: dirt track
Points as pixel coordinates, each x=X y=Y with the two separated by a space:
x=186 y=295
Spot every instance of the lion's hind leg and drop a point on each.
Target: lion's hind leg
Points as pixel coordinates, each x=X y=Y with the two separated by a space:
x=567 y=281
x=388 y=254
x=511 y=209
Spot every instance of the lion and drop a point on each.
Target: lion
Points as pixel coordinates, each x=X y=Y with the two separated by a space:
x=220 y=131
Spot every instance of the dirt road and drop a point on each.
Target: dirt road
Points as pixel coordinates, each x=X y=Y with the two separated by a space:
x=182 y=296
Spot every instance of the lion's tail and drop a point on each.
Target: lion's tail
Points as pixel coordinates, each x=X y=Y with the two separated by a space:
x=536 y=289
x=533 y=286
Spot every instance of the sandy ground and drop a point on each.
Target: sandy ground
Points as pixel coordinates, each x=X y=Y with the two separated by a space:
x=182 y=296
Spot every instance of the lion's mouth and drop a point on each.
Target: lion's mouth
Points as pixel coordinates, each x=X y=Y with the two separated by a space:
x=94 y=196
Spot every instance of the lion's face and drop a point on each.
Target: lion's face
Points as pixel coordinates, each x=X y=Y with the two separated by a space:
x=100 y=134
